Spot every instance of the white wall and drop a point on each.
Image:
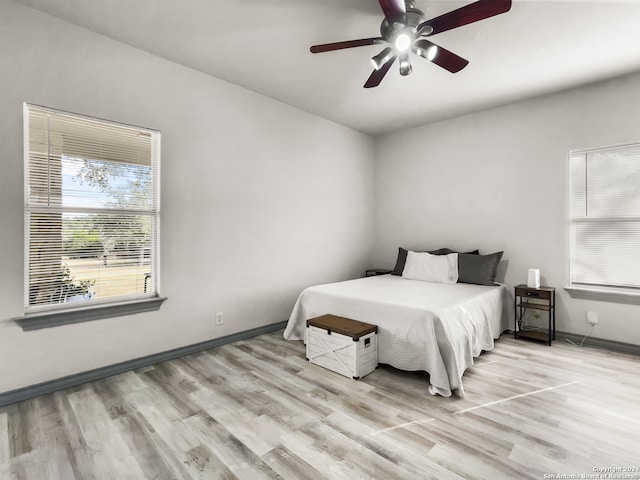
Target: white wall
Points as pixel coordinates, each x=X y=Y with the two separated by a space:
x=259 y=200
x=498 y=180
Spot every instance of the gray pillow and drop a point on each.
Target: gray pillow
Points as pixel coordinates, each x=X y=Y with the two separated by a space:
x=402 y=257
x=478 y=269
x=400 y=261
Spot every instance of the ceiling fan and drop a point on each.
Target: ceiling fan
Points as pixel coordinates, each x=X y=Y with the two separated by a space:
x=404 y=28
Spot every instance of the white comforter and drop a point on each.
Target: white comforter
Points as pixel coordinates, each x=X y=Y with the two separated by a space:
x=435 y=327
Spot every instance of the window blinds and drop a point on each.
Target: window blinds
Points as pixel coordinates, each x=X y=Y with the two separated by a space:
x=91 y=209
x=605 y=217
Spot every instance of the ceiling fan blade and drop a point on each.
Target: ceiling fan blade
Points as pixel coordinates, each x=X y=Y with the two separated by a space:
x=328 y=47
x=377 y=75
x=394 y=10
x=473 y=12
x=440 y=56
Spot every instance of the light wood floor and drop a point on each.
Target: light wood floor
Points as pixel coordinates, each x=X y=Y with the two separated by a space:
x=256 y=409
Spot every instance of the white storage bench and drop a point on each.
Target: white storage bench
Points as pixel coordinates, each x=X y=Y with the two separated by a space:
x=346 y=346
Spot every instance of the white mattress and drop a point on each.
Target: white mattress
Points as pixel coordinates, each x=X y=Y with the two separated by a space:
x=435 y=327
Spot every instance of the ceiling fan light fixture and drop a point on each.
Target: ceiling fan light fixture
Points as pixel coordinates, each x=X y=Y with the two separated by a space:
x=429 y=53
x=432 y=51
x=383 y=57
x=402 y=42
x=405 y=66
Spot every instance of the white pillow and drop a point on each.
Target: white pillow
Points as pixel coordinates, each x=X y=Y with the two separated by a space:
x=431 y=268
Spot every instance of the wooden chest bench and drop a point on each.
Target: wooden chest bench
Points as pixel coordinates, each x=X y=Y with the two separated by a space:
x=346 y=346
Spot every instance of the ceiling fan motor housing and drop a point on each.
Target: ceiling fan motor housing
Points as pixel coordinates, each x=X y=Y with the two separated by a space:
x=413 y=18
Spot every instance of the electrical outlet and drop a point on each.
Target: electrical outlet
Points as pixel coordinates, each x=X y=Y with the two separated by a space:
x=219 y=318
x=592 y=318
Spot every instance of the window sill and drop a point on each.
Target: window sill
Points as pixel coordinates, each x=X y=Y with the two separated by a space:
x=36 y=321
x=620 y=295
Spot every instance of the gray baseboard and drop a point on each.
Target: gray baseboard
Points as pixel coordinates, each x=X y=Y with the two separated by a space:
x=25 y=393
x=600 y=343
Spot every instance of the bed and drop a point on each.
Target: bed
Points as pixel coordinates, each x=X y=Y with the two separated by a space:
x=422 y=326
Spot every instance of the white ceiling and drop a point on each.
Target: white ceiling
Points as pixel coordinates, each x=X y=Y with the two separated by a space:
x=263 y=45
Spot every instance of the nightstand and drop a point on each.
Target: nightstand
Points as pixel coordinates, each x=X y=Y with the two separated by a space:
x=542 y=298
x=372 y=272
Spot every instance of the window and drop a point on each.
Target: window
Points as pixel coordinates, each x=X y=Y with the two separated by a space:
x=91 y=211
x=605 y=218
